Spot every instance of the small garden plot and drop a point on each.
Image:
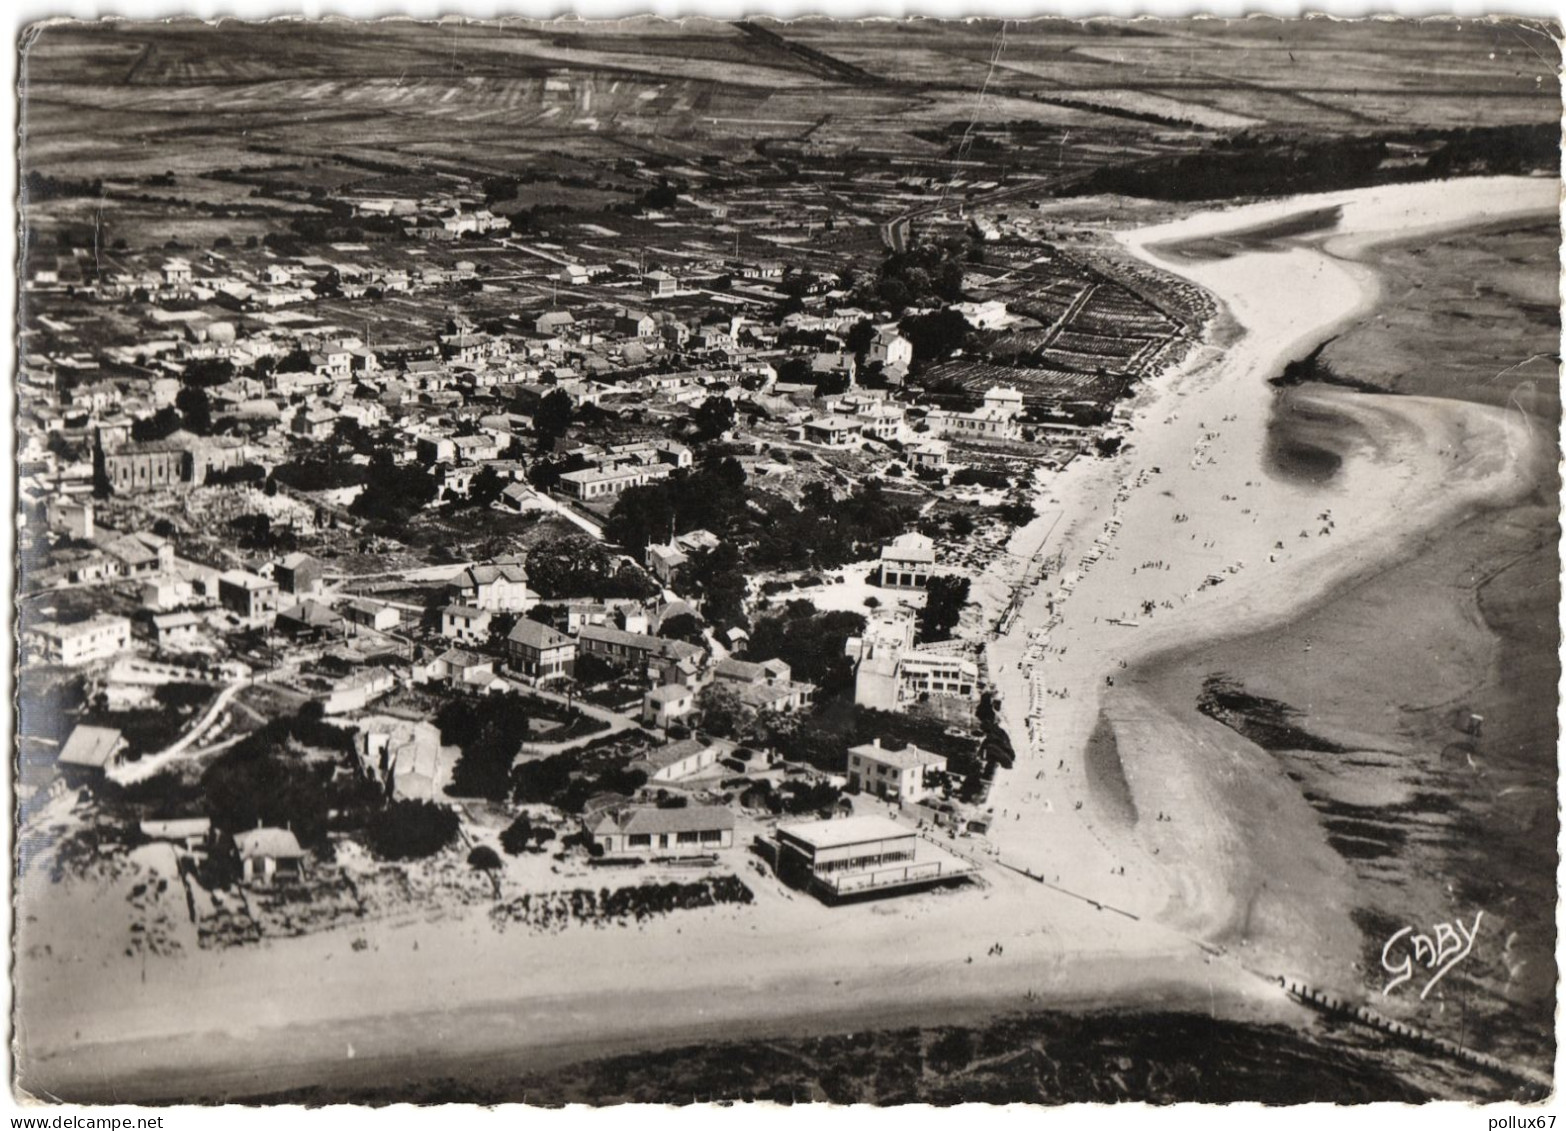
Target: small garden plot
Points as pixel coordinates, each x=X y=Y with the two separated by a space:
x=1099 y=344
x=553 y=912
x=320 y=902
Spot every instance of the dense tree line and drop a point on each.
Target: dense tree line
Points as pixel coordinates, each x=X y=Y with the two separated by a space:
x=412 y=830
x=264 y=779
x=574 y=565
x=1246 y=165
x=708 y=497
x=926 y=274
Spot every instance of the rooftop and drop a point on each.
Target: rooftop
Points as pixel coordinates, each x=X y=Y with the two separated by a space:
x=278 y=843
x=694 y=818
x=845 y=831
x=91 y=746
x=907 y=758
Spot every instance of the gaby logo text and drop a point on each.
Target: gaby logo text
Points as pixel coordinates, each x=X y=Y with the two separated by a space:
x=1440 y=951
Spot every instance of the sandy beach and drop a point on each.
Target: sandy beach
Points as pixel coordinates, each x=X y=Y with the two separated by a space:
x=1192 y=535
x=1186 y=874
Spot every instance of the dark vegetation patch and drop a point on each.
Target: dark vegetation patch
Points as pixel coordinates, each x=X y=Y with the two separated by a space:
x=555 y=911
x=1268 y=723
x=1314 y=368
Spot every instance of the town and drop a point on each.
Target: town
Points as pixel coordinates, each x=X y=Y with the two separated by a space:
x=603 y=536
x=643 y=526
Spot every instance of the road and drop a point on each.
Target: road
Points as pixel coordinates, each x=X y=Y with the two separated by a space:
x=129 y=772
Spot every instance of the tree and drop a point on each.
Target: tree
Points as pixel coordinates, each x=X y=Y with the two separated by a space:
x=524 y=836
x=484 y=858
x=592 y=669
x=411 y=830
x=796 y=371
x=490 y=730
x=552 y=418
x=256 y=783
x=710 y=497
x=713 y=417
x=392 y=493
x=811 y=643
x=951 y=1052
x=574 y=565
x=945 y=596
x=517 y=836
x=160 y=425
x=860 y=335
x=195 y=409
x=936 y=336
x=722 y=711
x=486 y=488
x=718 y=576
x=681 y=626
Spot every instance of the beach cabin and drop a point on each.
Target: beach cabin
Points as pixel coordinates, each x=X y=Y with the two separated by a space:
x=266 y=855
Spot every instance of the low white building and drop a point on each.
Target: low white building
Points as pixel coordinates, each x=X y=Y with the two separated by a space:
x=667 y=704
x=83 y=642
x=696 y=829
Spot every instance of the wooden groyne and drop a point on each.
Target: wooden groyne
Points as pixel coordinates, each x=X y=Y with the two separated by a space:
x=1412 y=1035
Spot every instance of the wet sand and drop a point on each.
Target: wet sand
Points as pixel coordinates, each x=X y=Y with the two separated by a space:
x=1434 y=820
x=1196 y=538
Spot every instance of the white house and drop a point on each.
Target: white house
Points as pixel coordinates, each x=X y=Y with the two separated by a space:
x=896 y=775
x=667 y=704
x=906 y=562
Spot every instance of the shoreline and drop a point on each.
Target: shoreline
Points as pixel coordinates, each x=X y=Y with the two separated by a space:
x=1392 y=493
x=775 y=970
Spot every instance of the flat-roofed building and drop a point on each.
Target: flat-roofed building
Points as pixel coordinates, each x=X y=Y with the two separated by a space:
x=83 y=642
x=862 y=855
x=607 y=482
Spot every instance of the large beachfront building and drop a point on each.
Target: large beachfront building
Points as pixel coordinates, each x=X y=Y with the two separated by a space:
x=997 y=419
x=890 y=673
x=853 y=856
